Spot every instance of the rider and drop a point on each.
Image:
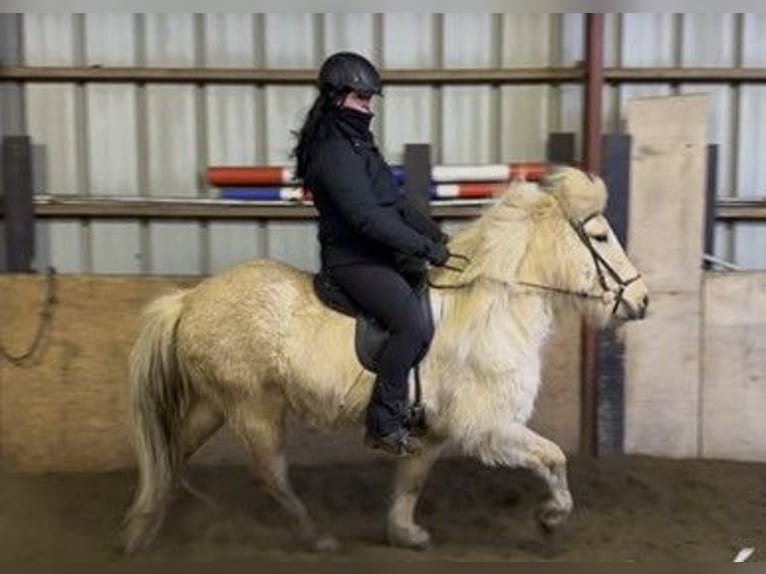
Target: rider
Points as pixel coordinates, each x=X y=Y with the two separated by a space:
x=367 y=230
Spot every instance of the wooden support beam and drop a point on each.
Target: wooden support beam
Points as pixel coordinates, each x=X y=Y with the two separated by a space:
x=282 y=76
x=594 y=84
x=18 y=209
x=610 y=352
x=110 y=207
x=711 y=190
x=417 y=173
x=612 y=75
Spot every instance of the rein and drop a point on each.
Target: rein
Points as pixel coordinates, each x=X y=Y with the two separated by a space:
x=602 y=269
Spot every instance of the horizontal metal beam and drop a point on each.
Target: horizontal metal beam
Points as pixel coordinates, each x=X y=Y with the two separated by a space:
x=282 y=76
x=732 y=210
x=685 y=75
x=93 y=207
x=418 y=76
x=102 y=207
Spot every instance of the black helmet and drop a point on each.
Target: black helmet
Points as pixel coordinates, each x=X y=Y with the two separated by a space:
x=349 y=71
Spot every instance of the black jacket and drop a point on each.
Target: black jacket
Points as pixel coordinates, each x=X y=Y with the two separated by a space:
x=363 y=216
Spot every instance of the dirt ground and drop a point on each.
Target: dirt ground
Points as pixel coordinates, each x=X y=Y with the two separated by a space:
x=627 y=509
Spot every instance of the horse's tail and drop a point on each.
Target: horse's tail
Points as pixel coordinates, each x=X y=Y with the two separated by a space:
x=159 y=397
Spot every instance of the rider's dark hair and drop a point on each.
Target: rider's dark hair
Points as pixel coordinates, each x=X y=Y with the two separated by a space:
x=313 y=130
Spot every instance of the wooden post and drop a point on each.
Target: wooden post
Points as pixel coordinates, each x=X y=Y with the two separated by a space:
x=561 y=148
x=19 y=209
x=417 y=173
x=711 y=192
x=610 y=351
x=594 y=86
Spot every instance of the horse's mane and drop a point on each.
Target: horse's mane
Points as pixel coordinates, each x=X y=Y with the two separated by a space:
x=498 y=243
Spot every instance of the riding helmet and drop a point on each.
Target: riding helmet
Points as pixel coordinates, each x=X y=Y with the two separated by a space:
x=347 y=71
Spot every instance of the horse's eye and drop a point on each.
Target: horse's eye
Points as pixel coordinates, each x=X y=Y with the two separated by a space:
x=601 y=237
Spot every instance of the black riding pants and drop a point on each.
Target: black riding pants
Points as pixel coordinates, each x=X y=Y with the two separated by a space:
x=383 y=294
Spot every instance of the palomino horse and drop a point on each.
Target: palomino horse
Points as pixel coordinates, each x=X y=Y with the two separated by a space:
x=253 y=343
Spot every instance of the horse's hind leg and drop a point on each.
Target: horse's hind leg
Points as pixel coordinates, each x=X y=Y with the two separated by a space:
x=199 y=425
x=143 y=523
x=410 y=477
x=518 y=446
x=264 y=436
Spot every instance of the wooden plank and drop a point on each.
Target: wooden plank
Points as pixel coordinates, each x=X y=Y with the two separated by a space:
x=662 y=366
x=665 y=233
x=734 y=366
x=667 y=189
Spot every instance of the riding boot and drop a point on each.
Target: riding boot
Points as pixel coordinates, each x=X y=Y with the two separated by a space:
x=387 y=428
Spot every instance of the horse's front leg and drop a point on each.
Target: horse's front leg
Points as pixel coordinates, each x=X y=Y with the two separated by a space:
x=517 y=446
x=411 y=475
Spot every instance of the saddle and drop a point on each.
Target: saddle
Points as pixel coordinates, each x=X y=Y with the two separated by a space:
x=369 y=336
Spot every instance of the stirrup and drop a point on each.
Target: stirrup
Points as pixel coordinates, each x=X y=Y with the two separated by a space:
x=415 y=420
x=398 y=443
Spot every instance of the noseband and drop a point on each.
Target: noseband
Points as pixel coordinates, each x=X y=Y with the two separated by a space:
x=603 y=269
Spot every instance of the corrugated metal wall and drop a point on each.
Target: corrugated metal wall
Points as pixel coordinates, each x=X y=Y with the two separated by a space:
x=155 y=140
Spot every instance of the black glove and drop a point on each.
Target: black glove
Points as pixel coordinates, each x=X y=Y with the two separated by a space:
x=437 y=254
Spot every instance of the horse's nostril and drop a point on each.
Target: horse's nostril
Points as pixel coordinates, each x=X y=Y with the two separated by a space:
x=644 y=306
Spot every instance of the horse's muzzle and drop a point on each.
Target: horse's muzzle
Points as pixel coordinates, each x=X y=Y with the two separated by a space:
x=636 y=312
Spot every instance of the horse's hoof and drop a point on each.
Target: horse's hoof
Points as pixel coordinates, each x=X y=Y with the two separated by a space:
x=326 y=544
x=413 y=537
x=552 y=517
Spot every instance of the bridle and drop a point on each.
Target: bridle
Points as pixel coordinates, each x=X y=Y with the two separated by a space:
x=603 y=269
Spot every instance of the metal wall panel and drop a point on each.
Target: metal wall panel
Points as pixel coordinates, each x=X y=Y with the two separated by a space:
x=466 y=125
x=232 y=242
x=286 y=108
x=230 y=40
x=11 y=110
x=121 y=139
x=408 y=114
x=526 y=122
x=750 y=239
x=409 y=118
x=175 y=248
x=116 y=247
x=171 y=144
x=294 y=242
x=753 y=46
x=469 y=41
x=355 y=32
x=527 y=40
x=112 y=142
x=410 y=40
x=648 y=40
x=232 y=125
x=52 y=122
x=290 y=40
x=708 y=40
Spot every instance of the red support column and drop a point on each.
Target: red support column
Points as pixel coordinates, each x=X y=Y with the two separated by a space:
x=594 y=83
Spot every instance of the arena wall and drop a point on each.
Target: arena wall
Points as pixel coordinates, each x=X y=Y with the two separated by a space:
x=67 y=409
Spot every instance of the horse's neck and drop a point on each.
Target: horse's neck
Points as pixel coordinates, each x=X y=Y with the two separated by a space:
x=512 y=327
